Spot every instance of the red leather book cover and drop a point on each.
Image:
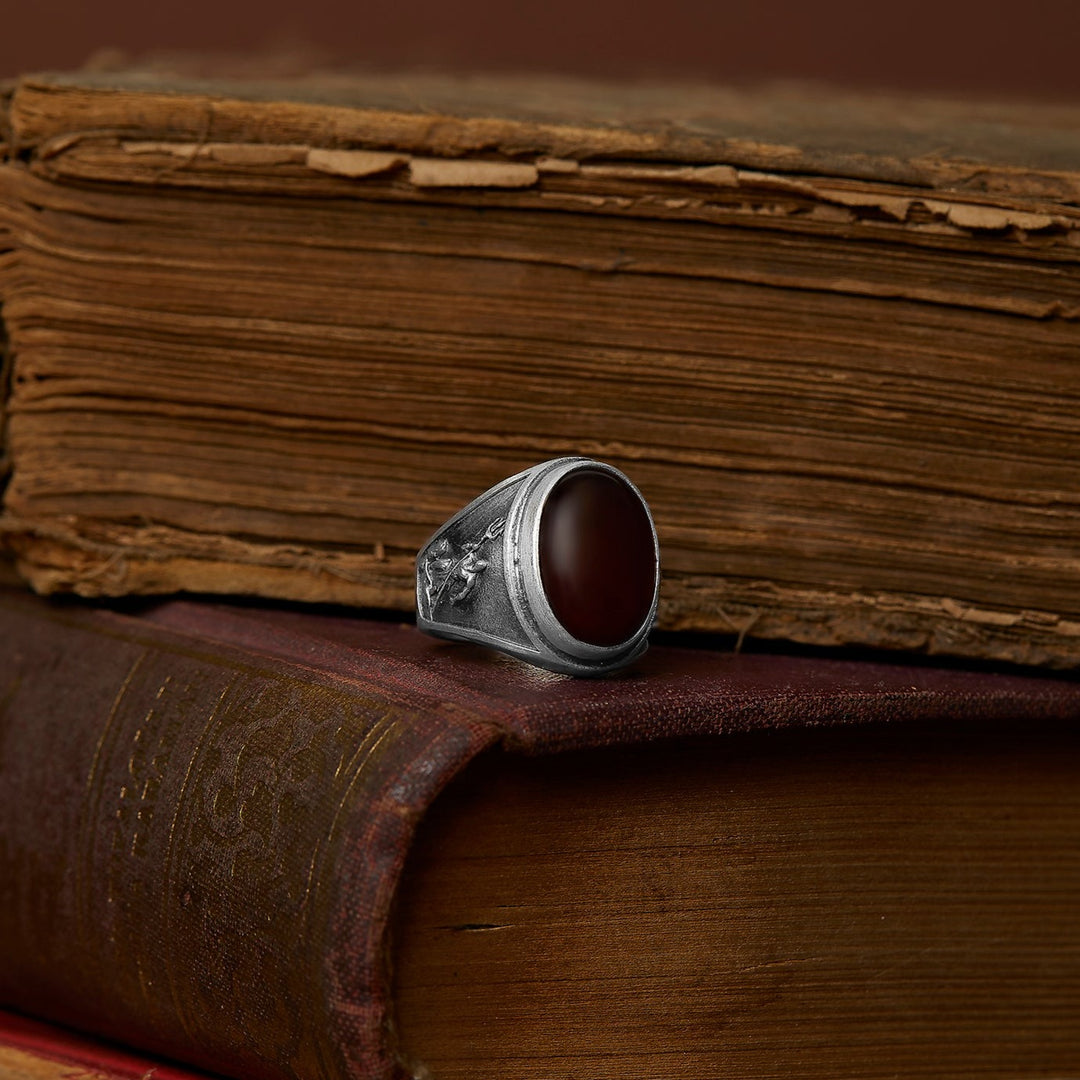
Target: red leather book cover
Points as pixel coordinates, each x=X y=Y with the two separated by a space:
x=205 y=810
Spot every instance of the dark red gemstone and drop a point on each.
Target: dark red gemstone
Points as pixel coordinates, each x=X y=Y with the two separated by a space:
x=597 y=559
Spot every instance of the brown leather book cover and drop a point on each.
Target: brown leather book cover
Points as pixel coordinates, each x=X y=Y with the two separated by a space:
x=986 y=149
x=205 y=811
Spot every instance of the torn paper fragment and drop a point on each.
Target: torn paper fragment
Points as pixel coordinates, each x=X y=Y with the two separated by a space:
x=557 y=165
x=441 y=172
x=354 y=163
x=970 y=216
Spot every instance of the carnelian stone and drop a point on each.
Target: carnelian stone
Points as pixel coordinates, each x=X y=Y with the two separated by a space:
x=597 y=557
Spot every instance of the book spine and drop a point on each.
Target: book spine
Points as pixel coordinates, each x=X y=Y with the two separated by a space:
x=199 y=844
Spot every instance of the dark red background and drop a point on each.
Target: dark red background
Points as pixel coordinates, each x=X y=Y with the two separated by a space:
x=995 y=48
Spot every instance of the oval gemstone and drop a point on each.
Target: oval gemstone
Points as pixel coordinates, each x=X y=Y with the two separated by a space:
x=597 y=558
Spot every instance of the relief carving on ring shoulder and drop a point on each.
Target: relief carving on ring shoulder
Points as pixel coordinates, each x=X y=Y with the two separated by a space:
x=456 y=573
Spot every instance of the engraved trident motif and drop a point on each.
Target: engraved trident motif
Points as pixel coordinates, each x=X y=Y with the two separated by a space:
x=444 y=567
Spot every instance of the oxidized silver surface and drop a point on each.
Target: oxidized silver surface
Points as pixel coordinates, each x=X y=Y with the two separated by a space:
x=478 y=577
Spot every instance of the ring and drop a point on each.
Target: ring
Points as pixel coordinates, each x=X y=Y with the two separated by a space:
x=558 y=565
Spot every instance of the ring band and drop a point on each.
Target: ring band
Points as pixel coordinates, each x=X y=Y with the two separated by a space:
x=558 y=565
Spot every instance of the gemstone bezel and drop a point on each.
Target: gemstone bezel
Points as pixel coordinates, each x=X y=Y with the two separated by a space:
x=522 y=555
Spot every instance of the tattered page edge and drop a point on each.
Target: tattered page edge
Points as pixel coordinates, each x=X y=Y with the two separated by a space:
x=925 y=142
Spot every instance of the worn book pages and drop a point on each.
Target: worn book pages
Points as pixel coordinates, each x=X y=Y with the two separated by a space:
x=266 y=337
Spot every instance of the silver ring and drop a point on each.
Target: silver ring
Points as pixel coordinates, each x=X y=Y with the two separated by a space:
x=558 y=565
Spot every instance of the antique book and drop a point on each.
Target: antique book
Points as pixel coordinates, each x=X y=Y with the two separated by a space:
x=274 y=844
x=265 y=337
